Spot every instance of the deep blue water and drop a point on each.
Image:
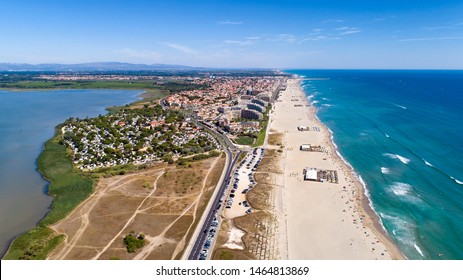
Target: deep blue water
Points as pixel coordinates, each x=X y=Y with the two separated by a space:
x=402 y=132
x=27 y=120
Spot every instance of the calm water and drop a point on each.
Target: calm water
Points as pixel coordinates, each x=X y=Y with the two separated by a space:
x=402 y=132
x=27 y=120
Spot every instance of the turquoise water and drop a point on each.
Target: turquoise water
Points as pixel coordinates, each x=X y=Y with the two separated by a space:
x=27 y=120
x=402 y=132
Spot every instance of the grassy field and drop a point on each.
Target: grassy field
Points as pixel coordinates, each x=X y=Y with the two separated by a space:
x=261 y=134
x=244 y=140
x=67 y=186
x=36 y=244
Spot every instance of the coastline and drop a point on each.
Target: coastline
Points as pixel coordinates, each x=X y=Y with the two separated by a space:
x=364 y=238
x=41 y=233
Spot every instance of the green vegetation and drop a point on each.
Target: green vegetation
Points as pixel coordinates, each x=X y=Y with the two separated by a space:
x=244 y=140
x=186 y=161
x=33 y=245
x=68 y=186
x=132 y=135
x=134 y=241
x=263 y=130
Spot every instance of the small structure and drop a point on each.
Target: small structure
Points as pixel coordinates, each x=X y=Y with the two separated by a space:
x=310 y=174
x=311 y=148
x=320 y=175
x=303 y=128
x=305 y=147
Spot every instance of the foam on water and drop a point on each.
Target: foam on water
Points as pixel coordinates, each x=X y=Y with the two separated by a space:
x=456 y=181
x=427 y=163
x=401 y=189
x=400 y=106
x=385 y=170
x=404 y=231
x=404 y=160
x=418 y=249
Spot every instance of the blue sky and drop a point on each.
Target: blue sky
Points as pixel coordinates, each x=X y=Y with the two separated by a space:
x=275 y=34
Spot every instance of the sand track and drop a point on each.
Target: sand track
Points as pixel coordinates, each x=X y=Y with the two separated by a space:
x=165 y=213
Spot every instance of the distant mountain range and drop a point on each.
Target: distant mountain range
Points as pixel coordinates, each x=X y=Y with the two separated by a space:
x=94 y=66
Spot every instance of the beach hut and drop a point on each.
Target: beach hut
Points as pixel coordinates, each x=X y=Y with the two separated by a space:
x=305 y=147
x=310 y=174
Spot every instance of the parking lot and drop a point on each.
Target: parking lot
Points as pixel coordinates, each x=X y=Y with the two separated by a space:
x=241 y=182
x=234 y=202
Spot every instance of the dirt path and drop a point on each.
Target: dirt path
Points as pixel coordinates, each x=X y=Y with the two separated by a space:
x=182 y=242
x=94 y=229
x=84 y=208
x=137 y=211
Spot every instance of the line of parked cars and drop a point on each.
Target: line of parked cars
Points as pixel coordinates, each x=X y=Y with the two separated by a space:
x=210 y=238
x=215 y=223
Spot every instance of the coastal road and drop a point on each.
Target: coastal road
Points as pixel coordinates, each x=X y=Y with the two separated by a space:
x=232 y=157
x=198 y=245
x=233 y=154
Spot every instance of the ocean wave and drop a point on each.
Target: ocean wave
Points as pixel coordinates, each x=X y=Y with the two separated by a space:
x=314 y=102
x=427 y=163
x=385 y=170
x=310 y=97
x=417 y=248
x=327 y=105
x=400 y=106
x=404 y=160
x=401 y=189
x=456 y=181
x=404 y=231
x=326 y=99
x=443 y=172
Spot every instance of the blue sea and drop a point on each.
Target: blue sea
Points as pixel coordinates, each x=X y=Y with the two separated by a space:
x=402 y=132
x=27 y=120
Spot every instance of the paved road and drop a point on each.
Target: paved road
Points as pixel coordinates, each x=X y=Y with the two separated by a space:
x=198 y=246
x=232 y=159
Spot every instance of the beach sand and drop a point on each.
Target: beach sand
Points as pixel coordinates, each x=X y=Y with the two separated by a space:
x=322 y=220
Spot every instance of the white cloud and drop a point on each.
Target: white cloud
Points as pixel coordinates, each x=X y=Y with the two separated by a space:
x=229 y=22
x=178 y=47
x=431 y=39
x=241 y=43
x=289 y=38
x=346 y=30
x=333 y=20
x=431 y=28
x=253 y=38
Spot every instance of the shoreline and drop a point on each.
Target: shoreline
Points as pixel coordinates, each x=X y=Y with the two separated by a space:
x=321 y=221
x=363 y=200
x=42 y=224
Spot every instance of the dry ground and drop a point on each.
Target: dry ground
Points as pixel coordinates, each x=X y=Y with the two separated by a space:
x=164 y=203
x=260 y=227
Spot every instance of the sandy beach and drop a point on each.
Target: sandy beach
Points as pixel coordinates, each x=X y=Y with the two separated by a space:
x=323 y=220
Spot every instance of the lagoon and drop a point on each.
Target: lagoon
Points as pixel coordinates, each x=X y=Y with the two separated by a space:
x=27 y=120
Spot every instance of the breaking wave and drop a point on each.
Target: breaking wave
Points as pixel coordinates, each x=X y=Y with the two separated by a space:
x=404 y=160
x=401 y=189
x=385 y=170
